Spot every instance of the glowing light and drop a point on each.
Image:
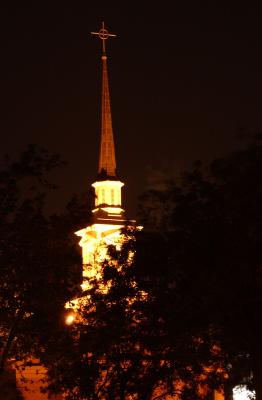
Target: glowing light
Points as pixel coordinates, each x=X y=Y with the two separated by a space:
x=108 y=193
x=241 y=393
x=69 y=319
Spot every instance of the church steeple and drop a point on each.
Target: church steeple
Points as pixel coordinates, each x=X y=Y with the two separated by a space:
x=107 y=185
x=107 y=158
x=108 y=215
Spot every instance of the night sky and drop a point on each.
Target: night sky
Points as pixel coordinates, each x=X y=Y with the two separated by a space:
x=184 y=81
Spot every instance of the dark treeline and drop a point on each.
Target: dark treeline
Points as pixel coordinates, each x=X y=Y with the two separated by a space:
x=182 y=316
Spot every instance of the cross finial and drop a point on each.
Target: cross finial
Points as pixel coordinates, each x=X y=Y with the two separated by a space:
x=103 y=34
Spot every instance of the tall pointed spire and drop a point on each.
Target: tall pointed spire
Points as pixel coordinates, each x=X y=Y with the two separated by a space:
x=107 y=159
x=108 y=215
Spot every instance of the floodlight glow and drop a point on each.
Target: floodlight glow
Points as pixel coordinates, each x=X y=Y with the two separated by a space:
x=241 y=393
x=69 y=319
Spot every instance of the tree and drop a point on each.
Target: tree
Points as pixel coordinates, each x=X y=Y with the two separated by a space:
x=40 y=268
x=170 y=318
x=128 y=340
x=216 y=219
x=104 y=345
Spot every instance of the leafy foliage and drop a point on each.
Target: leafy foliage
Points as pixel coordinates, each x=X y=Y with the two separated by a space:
x=182 y=316
x=216 y=224
x=40 y=268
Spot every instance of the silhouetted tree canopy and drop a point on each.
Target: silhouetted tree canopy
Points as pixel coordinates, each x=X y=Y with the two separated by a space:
x=40 y=268
x=188 y=307
x=181 y=316
x=215 y=217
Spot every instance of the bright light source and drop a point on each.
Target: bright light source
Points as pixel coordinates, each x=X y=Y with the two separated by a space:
x=69 y=319
x=241 y=393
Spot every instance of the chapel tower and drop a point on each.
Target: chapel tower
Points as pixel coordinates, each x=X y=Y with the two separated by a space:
x=108 y=214
x=107 y=185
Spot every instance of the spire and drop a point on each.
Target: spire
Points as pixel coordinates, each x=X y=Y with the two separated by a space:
x=107 y=159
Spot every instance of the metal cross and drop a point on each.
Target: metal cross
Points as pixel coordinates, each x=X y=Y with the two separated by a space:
x=103 y=34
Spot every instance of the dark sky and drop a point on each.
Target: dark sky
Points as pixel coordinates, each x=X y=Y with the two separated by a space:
x=184 y=80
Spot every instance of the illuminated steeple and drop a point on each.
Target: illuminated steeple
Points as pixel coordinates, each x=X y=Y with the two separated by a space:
x=107 y=185
x=108 y=214
x=107 y=159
